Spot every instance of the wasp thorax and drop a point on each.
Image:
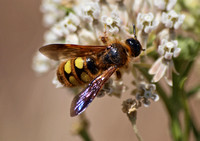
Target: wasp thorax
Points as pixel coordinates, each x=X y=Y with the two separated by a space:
x=135 y=46
x=115 y=55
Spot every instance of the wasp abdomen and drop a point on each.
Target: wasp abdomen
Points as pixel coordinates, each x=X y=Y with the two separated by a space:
x=77 y=71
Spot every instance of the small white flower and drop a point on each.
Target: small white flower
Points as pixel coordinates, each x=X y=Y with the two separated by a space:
x=70 y=24
x=72 y=39
x=57 y=83
x=146 y=22
x=41 y=64
x=163 y=4
x=169 y=49
x=146 y=92
x=48 y=6
x=50 y=37
x=87 y=37
x=49 y=19
x=164 y=65
x=57 y=30
x=172 y=19
x=90 y=11
x=51 y=12
x=113 y=22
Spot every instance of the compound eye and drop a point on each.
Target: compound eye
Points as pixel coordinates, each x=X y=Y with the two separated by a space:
x=130 y=42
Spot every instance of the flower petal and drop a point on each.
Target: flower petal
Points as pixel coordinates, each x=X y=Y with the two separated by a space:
x=168 y=76
x=173 y=67
x=152 y=87
x=57 y=83
x=146 y=103
x=155 y=66
x=160 y=72
x=171 y=4
x=168 y=55
x=161 y=50
x=177 y=52
x=138 y=96
x=155 y=97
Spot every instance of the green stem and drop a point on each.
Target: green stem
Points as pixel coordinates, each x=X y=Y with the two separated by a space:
x=85 y=135
x=188 y=68
x=186 y=117
x=136 y=132
x=175 y=129
x=179 y=98
x=83 y=132
x=195 y=131
x=165 y=99
x=132 y=117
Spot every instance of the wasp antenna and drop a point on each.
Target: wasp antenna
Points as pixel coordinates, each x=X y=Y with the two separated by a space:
x=134 y=31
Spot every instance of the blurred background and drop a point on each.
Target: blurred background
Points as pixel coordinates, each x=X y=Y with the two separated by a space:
x=32 y=109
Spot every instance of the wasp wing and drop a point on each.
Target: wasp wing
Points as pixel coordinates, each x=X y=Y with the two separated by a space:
x=81 y=101
x=63 y=51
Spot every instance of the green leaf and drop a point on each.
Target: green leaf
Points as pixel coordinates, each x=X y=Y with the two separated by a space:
x=189 y=49
x=182 y=82
x=193 y=91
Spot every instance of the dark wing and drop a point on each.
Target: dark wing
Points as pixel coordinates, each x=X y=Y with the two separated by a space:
x=63 y=51
x=81 y=101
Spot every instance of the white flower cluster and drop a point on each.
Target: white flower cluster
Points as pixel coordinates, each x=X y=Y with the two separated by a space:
x=146 y=23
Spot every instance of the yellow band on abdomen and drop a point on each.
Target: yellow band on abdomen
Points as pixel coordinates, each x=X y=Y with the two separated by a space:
x=73 y=81
x=79 y=62
x=68 y=67
x=85 y=77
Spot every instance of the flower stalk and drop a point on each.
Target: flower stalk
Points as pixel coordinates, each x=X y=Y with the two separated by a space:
x=80 y=128
x=132 y=118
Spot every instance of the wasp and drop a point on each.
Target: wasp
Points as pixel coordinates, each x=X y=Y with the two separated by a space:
x=93 y=64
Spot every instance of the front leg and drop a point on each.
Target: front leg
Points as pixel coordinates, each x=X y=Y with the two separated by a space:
x=104 y=38
x=118 y=75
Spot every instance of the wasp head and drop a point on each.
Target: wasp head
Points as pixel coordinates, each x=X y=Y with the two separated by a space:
x=134 y=44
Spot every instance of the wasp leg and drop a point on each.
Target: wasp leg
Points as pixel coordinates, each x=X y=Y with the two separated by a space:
x=104 y=38
x=118 y=74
